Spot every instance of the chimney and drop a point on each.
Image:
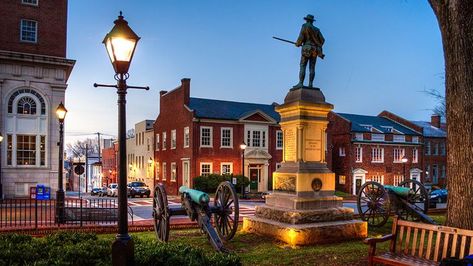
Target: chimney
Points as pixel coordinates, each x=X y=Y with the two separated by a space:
x=435 y=120
x=186 y=86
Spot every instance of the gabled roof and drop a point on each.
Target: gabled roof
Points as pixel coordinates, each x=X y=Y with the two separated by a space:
x=217 y=109
x=380 y=123
x=431 y=131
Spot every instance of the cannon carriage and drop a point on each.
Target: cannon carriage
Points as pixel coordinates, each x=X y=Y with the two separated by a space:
x=409 y=200
x=196 y=205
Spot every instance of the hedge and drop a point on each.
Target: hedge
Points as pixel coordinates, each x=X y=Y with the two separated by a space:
x=210 y=182
x=66 y=248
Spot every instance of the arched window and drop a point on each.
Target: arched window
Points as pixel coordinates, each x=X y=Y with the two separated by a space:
x=26 y=91
x=26 y=105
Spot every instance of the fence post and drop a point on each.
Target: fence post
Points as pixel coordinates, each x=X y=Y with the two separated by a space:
x=80 y=200
x=36 y=213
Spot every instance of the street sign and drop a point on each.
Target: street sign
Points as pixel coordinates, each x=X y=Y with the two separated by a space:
x=79 y=169
x=234 y=180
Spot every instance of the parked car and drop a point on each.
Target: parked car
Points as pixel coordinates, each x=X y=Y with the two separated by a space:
x=102 y=192
x=438 y=196
x=138 y=188
x=95 y=191
x=112 y=190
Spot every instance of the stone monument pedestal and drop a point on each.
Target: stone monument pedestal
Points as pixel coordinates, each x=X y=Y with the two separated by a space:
x=303 y=209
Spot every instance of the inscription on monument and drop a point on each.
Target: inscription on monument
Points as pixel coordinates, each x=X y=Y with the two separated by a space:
x=313 y=144
x=290 y=145
x=285 y=183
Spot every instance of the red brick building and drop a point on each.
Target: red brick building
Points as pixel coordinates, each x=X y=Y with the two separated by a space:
x=109 y=164
x=195 y=137
x=434 y=157
x=365 y=148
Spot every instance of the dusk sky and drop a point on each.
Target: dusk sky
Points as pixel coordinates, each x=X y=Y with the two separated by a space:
x=380 y=55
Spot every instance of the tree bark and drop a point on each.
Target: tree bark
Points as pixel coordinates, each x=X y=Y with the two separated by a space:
x=455 y=18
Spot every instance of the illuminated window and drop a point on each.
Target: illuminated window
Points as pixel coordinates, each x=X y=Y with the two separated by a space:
x=205 y=169
x=226 y=168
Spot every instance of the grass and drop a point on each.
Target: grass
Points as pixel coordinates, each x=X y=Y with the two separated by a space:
x=259 y=250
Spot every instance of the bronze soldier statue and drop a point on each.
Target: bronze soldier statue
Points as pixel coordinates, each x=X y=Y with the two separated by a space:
x=311 y=40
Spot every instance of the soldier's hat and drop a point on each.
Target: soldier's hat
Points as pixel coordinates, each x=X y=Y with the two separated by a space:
x=309 y=17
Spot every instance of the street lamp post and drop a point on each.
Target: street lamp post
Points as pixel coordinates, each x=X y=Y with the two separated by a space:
x=120 y=43
x=1 y=184
x=243 y=147
x=61 y=112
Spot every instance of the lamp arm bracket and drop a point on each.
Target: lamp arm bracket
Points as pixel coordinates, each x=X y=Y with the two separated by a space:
x=138 y=87
x=105 y=85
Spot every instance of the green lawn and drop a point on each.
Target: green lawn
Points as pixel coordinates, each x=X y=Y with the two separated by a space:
x=258 y=250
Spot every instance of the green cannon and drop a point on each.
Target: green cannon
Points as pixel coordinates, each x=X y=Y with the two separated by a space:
x=409 y=200
x=196 y=205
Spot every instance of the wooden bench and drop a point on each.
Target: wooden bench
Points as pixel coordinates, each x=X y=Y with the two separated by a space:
x=420 y=244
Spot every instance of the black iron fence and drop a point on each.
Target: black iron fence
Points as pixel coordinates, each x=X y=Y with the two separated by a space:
x=32 y=213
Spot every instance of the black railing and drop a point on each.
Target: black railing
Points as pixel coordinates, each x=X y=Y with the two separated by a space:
x=32 y=213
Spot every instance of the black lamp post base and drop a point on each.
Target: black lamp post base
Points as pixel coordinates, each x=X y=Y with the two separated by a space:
x=123 y=251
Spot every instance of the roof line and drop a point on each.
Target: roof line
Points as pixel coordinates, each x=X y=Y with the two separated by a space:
x=230 y=101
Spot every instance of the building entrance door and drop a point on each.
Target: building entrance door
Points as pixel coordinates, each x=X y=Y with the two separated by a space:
x=358 y=181
x=186 y=174
x=255 y=176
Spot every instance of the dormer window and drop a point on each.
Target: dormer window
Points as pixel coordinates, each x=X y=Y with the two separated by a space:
x=377 y=137
x=368 y=127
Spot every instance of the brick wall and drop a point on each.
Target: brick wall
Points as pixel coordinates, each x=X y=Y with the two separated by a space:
x=51 y=16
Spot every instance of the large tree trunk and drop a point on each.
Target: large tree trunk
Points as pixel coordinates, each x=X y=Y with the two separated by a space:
x=455 y=18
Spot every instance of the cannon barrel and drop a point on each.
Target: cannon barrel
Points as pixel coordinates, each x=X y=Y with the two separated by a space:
x=197 y=196
x=400 y=191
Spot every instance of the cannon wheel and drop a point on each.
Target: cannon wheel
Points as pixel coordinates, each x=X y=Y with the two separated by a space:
x=419 y=198
x=226 y=215
x=373 y=204
x=161 y=213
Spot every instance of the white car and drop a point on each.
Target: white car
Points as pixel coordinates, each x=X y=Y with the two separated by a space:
x=112 y=190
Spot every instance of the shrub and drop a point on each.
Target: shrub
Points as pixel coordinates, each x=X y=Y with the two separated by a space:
x=210 y=183
x=87 y=249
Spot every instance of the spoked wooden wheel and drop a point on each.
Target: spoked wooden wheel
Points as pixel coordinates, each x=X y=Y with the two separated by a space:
x=161 y=213
x=227 y=211
x=373 y=204
x=418 y=197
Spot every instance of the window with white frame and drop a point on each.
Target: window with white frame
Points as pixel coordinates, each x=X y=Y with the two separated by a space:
x=342 y=179
x=157 y=142
x=377 y=137
x=378 y=178
x=398 y=179
x=399 y=138
x=341 y=151
x=435 y=171
x=164 y=140
x=173 y=172
x=226 y=139
x=226 y=168
x=279 y=140
x=173 y=139
x=205 y=169
x=415 y=139
x=164 y=171
x=435 y=149
x=205 y=136
x=443 y=150
x=427 y=148
x=398 y=154
x=30 y=2
x=256 y=138
x=415 y=155
x=29 y=31
x=377 y=155
x=186 y=137
x=358 y=136
x=358 y=154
